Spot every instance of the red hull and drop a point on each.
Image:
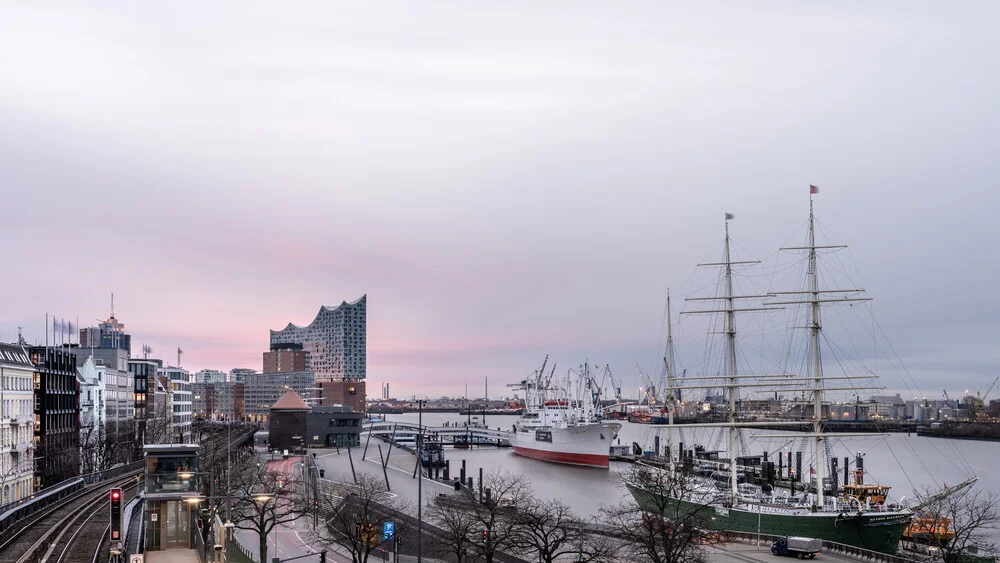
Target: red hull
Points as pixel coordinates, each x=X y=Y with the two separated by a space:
x=586 y=460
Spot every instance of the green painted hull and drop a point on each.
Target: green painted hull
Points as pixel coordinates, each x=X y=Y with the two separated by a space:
x=877 y=531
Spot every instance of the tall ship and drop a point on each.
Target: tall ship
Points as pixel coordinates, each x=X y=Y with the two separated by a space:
x=561 y=422
x=801 y=502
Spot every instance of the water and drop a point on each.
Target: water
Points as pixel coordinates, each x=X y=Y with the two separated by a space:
x=909 y=464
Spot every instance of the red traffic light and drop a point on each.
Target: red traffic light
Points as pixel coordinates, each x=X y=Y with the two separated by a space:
x=115 y=495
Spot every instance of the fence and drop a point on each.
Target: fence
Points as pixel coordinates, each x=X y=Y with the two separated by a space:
x=828 y=546
x=99 y=476
x=236 y=552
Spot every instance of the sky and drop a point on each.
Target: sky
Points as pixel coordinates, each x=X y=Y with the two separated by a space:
x=503 y=181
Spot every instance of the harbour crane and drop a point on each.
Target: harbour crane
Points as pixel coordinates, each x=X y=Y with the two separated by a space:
x=987 y=393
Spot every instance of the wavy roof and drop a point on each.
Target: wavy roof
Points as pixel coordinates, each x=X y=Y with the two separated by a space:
x=322 y=309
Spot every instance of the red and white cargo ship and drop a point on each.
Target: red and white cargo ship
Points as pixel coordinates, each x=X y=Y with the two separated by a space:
x=561 y=423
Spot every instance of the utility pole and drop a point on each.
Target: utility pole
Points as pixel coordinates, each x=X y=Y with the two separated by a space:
x=420 y=492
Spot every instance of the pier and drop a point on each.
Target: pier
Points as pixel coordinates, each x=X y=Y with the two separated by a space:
x=405 y=434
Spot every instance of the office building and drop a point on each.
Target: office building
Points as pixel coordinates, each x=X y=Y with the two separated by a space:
x=108 y=334
x=240 y=374
x=264 y=389
x=210 y=376
x=334 y=341
x=17 y=421
x=57 y=415
x=218 y=401
x=342 y=393
x=178 y=380
x=285 y=358
x=144 y=387
x=111 y=365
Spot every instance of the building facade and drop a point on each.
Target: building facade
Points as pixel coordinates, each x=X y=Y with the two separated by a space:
x=335 y=341
x=179 y=382
x=109 y=334
x=143 y=374
x=287 y=423
x=342 y=393
x=333 y=427
x=285 y=358
x=117 y=383
x=264 y=389
x=57 y=415
x=210 y=376
x=218 y=401
x=240 y=374
x=17 y=423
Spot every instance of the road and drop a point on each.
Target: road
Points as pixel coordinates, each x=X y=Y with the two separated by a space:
x=294 y=538
x=747 y=553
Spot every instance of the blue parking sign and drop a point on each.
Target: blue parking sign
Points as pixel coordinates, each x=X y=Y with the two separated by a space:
x=388 y=530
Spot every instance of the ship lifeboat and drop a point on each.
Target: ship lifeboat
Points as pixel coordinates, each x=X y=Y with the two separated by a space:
x=929 y=530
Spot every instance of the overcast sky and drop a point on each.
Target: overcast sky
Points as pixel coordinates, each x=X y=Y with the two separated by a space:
x=503 y=182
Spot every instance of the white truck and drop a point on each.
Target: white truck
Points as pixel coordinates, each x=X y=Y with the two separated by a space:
x=793 y=546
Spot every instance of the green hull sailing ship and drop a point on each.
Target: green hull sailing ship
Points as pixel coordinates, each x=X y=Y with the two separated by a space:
x=854 y=514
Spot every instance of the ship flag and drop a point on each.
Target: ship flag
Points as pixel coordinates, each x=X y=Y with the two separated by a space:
x=729 y=216
x=813 y=189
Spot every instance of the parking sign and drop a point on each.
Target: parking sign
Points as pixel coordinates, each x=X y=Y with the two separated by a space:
x=388 y=530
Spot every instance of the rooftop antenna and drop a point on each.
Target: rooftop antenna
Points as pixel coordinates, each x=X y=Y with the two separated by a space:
x=112 y=305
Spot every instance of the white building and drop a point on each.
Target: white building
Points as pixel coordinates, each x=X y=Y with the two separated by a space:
x=210 y=376
x=17 y=424
x=93 y=402
x=180 y=391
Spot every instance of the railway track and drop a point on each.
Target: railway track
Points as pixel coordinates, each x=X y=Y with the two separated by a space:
x=57 y=533
x=84 y=537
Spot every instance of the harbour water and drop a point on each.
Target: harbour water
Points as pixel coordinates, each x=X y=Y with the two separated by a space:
x=910 y=464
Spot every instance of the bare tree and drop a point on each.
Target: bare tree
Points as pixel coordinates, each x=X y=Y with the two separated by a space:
x=223 y=476
x=458 y=523
x=272 y=498
x=549 y=528
x=960 y=524
x=495 y=512
x=352 y=515
x=662 y=529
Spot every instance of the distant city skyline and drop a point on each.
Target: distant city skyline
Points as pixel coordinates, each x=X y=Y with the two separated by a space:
x=503 y=183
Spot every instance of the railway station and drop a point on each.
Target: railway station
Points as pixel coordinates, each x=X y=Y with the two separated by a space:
x=171 y=480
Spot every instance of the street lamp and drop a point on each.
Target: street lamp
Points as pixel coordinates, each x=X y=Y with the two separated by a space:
x=420 y=494
x=760 y=505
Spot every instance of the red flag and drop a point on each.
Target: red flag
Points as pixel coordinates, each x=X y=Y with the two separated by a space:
x=813 y=189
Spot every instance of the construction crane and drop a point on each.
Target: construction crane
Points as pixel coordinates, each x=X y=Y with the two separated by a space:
x=987 y=393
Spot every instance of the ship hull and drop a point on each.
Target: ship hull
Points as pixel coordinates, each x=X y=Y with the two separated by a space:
x=585 y=445
x=876 y=531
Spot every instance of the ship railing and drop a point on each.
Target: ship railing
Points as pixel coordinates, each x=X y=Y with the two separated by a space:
x=828 y=546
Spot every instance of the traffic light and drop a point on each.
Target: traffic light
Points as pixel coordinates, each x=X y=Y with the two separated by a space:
x=486 y=536
x=315 y=503
x=322 y=557
x=116 y=514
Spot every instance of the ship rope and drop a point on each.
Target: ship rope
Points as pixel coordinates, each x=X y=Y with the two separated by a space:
x=718 y=439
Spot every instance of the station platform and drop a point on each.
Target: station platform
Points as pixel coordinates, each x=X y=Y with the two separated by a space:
x=172 y=556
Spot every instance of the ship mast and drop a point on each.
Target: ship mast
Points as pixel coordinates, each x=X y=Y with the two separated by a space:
x=730 y=310
x=814 y=327
x=814 y=297
x=731 y=364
